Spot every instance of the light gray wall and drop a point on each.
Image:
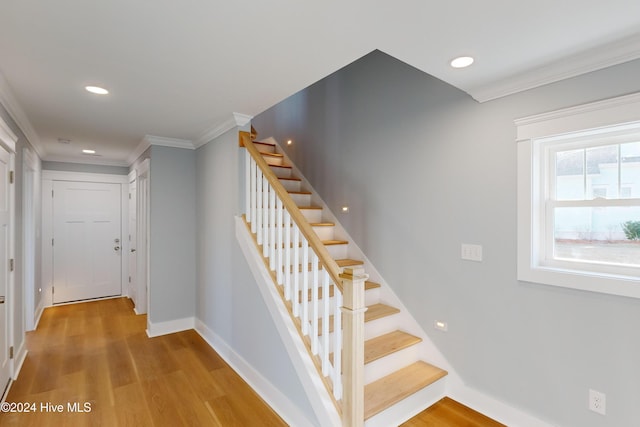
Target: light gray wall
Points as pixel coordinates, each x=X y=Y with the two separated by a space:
x=228 y=300
x=19 y=309
x=172 y=264
x=425 y=168
x=86 y=168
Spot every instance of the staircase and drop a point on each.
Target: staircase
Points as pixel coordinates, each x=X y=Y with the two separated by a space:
x=391 y=371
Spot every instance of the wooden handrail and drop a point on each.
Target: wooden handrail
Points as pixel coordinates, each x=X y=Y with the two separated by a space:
x=326 y=260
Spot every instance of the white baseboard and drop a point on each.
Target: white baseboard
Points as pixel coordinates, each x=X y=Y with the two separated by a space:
x=270 y=394
x=170 y=326
x=39 y=310
x=20 y=356
x=494 y=408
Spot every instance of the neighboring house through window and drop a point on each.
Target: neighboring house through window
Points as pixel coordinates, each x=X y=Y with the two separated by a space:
x=579 y=197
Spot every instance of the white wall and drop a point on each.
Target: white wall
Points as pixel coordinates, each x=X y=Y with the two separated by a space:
x=228 y=301
x=425 y=168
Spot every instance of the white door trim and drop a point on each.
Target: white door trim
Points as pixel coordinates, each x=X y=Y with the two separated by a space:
x=48 y=177
x=142 y=215
x=31 y=170
x=8 y=141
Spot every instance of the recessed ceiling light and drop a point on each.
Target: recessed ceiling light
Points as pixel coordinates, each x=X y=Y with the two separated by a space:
x=89 y=151
x=462 y=62
x=97 y=90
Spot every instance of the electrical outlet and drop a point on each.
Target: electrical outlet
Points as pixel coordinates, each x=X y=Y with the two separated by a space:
x=598 y=402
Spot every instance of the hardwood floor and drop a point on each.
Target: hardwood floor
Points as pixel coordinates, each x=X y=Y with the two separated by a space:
x=449 y=413
x=98 y=353
x=98 y=356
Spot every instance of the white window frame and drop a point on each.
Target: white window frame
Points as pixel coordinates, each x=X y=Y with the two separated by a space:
x=534 y=135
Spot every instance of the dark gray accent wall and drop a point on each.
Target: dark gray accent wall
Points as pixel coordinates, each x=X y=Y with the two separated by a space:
x=172 y=236
x=425 y=168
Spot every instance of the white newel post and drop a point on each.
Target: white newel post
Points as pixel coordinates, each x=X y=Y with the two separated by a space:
x=353 y=309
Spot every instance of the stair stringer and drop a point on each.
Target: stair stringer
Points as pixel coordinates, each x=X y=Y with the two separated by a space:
x=319 y=398
x=427 y=350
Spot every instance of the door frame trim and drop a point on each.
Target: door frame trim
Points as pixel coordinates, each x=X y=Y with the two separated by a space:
x=48 y=177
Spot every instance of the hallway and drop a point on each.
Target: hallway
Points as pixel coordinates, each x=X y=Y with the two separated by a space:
x=96 y=357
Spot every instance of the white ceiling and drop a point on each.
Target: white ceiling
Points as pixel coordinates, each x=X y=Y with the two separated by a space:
x=179 y=69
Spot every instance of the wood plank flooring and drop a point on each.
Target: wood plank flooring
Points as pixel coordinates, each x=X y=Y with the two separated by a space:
x=98 y=353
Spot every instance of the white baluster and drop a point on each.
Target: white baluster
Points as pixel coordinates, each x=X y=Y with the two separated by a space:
x=272 y=228
x=314 y=303
x=287 y=255
x=280 y=247
x=325 y=322
x=249 y=189
x=265 y=219
x=337 y=343
x=257 y=202
x=296 y=277
x=304 y=271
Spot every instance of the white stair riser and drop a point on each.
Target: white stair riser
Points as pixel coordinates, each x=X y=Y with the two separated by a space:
x=291 y=185
x=301 y=199
x=266 y=148
x=390 y=363
x=325 y=232
x=281 y=172
x=382 y=326
x=410 y=406
x=312 y=215
x=271 y=160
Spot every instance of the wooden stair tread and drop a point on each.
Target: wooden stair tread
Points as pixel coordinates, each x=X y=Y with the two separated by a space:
x=378 y=311
x=299 y=192
x=389 y=390
x=322 y=224
x=289 y=178
x=348 y=262
x=309 y=208
x=273 y=154
x=335 y=242
x=383 y=345
x=281 y=166
x=264 y=143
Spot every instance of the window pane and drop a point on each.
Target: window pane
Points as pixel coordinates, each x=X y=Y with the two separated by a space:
x=597 y=234
x=570 y=175
x=602 y=172
x=630 y=170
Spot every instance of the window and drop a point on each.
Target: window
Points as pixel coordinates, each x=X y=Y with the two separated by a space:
x=579 y=197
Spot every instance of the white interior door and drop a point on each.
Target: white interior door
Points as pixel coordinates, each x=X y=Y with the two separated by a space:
x=133 y=241
x=5 y=366
x=87 y=240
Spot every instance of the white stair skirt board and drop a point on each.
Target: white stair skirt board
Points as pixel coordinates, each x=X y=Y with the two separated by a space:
x=270 y=394
x=170 y=326
x=318 y=395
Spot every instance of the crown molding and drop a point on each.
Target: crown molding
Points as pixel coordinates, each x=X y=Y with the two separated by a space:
x=607 y=112
x=618 y=52
x=162 y=141
x=89 y=160
x=9 y=102
x=236 y=120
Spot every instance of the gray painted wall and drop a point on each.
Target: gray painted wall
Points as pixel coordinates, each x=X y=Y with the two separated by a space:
x=227 y=298
x=86 y=168
x=172 y=235
x=425 y=168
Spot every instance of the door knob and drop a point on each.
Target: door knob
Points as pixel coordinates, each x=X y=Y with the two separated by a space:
x=133 y=250
x=2 y=300
x=116 y=248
